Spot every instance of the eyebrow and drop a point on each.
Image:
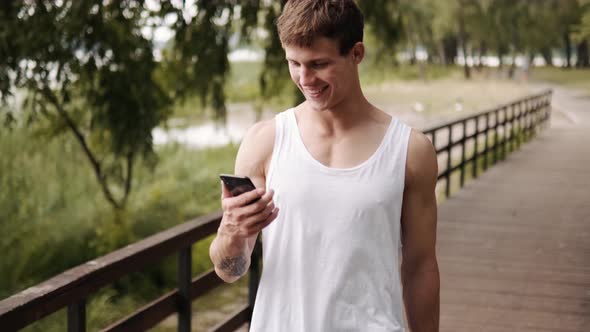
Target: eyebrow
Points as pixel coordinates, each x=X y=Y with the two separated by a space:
x=312 y=60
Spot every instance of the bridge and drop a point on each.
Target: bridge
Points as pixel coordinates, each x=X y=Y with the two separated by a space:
x=513 y=233
x=514 y=246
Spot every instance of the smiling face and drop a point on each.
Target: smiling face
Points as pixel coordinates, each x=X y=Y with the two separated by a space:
x=324 y=76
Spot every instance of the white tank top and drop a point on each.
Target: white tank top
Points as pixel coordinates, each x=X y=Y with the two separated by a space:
x=331 y=258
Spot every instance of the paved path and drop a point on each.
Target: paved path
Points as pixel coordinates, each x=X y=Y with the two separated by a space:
x=514 y=245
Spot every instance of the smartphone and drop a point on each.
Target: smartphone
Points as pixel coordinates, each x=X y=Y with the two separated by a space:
x=237 y=184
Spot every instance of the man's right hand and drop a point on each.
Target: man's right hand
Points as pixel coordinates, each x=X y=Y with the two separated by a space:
x=240 y=225
x=242 y=220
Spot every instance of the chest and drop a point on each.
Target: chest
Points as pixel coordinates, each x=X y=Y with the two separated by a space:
x=345 y=151
x=336 y=212
x=338 y=196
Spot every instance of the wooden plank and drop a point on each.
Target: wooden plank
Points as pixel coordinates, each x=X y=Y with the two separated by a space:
x=237 y=319
x=514 y=245
x=151 y=314
x=512 y=318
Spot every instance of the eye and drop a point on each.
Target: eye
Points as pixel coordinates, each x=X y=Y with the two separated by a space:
x=293 y=63
x=319 y=65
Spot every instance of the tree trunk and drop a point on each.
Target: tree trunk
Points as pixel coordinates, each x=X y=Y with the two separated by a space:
x=463 y=42
x=583 y=58
x=412 y=53
x=431 y=52
x=95 y=163
x=441 y=53
x=483 y=49
x=547 y=56
x=568 y=49
x=512 y=68
x=450 y=46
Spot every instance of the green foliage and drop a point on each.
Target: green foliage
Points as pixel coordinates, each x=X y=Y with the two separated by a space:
x=197 y=60
x=386 y=72
x=242 y=85
x=87 y=68
x=582 y=30
x=383 y=18
x=52 y=216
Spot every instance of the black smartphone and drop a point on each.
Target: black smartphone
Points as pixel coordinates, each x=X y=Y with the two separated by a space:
x=237 y=184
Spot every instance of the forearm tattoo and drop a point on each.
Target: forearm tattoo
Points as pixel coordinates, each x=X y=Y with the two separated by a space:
x=234 y=266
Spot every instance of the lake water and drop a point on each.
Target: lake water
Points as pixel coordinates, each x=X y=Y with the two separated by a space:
x=209 y=134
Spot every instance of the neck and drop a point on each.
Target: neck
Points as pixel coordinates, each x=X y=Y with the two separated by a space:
x=354 y=110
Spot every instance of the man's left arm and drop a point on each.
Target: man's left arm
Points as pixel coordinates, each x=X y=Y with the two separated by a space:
x=419 y=270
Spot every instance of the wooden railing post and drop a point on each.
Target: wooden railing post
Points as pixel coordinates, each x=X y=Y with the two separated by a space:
x=519 y=122
x=463 y=140
x=475 y=152
x=513 y=129
x=486 y=148
x=496 y=128
x=527 y=122
x=449 y=157
x=504 y=132
x=548 y=110
x=254 y=276
x=538 y=109
x=77 y=316
x=434 y=140
x=184 y=288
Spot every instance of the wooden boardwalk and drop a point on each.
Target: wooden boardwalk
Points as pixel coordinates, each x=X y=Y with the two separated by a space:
x=514 y=245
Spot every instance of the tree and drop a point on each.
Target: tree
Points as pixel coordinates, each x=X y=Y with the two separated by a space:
x=87 y=68
x=274 y=77
x=568 y=14
x=444 y=30
x=582 y=35
x=196 y=62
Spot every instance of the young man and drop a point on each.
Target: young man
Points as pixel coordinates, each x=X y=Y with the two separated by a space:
x=351 y=182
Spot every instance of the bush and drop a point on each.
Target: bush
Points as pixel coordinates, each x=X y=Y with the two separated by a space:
x=53 y=215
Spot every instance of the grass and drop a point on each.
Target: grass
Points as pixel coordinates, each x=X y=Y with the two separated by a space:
x=575 y=78
x=443 y=98
x=372 y=73
x=53 y=216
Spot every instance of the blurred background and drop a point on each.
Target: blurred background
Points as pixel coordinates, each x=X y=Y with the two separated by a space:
x=116 y=117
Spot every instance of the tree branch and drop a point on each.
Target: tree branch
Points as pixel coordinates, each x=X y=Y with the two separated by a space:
x=128 y=178
x=100 y=176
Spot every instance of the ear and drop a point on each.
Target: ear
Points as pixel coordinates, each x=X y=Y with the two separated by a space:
x=358 y=52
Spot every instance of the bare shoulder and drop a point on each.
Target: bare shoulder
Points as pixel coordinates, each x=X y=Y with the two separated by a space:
x=421 y=163
x=255 y=150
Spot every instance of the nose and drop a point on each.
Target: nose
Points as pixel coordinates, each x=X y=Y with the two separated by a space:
x=306 y=76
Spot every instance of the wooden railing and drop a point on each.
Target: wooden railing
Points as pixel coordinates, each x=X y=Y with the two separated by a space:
x=500 y=129
x=487 y=135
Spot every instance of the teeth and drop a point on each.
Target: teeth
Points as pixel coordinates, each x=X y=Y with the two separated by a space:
x=315 y=92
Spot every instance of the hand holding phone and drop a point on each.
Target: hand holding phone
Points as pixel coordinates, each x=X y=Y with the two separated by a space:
x=245 y=212
x=237 y=184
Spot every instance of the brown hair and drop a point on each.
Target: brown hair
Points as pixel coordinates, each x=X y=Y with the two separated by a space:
x=303 y=20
